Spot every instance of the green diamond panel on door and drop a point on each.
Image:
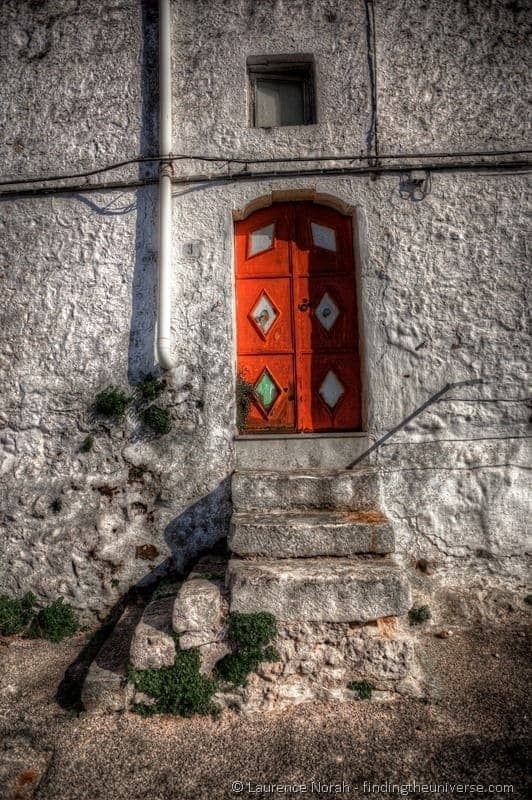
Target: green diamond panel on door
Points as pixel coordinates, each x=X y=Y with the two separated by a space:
x=266 y=390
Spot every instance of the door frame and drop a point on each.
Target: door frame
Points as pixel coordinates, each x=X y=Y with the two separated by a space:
x=358 y=242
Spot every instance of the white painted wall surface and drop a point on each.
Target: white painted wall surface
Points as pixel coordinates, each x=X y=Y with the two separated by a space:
x=442 y=282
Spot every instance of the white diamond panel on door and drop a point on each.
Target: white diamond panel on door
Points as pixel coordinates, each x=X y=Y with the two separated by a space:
x=261 y=239
x=327 y=312
x=323 y=237
x=264 y=313
x=331 y=390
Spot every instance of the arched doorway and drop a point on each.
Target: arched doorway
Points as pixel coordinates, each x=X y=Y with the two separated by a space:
x=297 y=332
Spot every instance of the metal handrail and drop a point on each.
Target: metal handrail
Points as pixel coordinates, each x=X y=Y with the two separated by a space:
x=403 y=423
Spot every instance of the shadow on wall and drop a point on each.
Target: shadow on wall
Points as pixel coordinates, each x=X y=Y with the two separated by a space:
x=201 y=524
x=141 y=358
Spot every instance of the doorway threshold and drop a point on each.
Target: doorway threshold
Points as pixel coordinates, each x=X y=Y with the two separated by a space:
x=291 y=452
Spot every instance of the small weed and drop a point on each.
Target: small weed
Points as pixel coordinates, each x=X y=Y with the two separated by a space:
x=157 y=418
x=211 y=576
x=15 y=614
x=115 y=583
x=151 y=388
x=252 y=630
x=528 y=599
x=419 y=614
x=112 y=402
x=245 y=391
x=136 y=472
x=167 y=587
x=270 y=654
x=180 y=689
x=56 y=505
x=54 y=622
x=87 y=444
x=251 y=634
x=364 y=689
x=235 y=667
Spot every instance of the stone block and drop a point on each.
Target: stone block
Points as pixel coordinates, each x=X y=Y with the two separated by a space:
x=330 y=590
x=347 y=490
x=289 y=535
x=105 y=688
x=210 y=654
x=153 y=646
x=198 y=613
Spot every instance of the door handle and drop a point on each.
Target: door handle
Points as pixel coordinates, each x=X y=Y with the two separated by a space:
x=304 y=305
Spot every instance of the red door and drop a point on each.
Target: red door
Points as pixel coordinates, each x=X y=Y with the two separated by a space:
x=297 y=338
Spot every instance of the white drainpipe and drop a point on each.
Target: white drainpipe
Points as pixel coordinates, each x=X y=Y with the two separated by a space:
x=164 y=336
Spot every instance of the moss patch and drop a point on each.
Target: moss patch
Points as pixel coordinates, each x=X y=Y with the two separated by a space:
x=157 y=418
x=15 y=614
x=180 y=689
x=54 y=622
x=251 y=635
x=419 y=614
x=364 y=689
x=112 y=402
x=151 y=388
x=87 y=444
x=245 y=391
x=56 y=505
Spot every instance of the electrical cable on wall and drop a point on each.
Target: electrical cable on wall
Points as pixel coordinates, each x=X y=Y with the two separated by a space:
x=245 y=161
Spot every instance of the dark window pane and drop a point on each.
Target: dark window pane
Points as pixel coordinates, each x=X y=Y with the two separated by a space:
x=279 y=102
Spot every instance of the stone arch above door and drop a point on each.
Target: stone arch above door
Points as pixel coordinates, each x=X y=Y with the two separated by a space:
x=294 y=195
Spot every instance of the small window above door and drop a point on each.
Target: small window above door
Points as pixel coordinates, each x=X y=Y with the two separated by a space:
x=281 y=91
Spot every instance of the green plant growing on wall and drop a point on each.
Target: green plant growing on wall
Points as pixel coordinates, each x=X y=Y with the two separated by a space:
x=54 y=622
x=157 y=418
x=419 y=614
x=15 y=614
x=245 y=392
x=251 y=634
x=150 y=388
x=56 y=505
x=364 y=689
x=87 y=444
x=111 y=403
x=180 y=689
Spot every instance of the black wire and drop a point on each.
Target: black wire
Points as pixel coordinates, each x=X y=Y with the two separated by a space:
x=245 y=161
x=510 y=167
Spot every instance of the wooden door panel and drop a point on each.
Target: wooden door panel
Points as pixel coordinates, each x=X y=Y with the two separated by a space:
x=328 y=392
x=255 y=233
x=274 y=374
x=264 y=316
x=325 y=314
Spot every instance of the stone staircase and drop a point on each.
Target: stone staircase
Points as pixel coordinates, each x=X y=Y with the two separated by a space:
x=311 y=544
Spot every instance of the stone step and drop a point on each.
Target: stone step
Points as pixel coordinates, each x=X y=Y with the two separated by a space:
x=319 y=589
x=344 y=490
x=300 y=535
x=289 y=452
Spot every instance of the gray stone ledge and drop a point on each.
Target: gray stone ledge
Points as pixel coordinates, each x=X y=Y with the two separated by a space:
x=346 y=490
x=289 y=535
x=329 y=590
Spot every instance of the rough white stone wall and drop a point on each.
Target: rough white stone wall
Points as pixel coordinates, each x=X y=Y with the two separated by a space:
x=442 y=283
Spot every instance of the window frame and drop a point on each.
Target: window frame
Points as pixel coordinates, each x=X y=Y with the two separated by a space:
x=278 y=69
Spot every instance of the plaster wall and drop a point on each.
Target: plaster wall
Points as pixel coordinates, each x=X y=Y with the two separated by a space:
x=442 y=283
